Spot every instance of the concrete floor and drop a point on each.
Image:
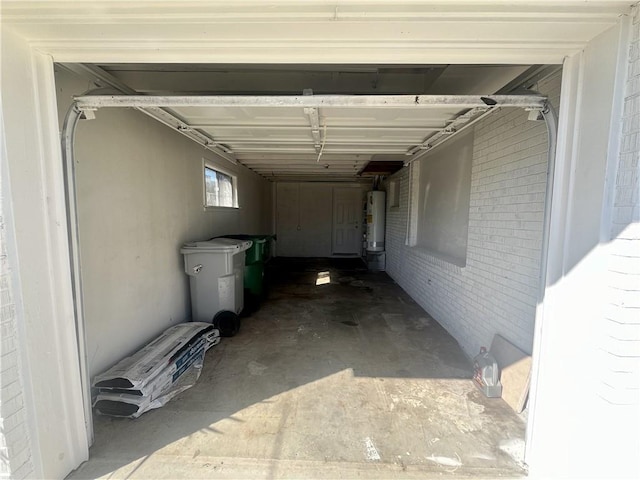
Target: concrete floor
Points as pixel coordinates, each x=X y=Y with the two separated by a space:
x=349 y=379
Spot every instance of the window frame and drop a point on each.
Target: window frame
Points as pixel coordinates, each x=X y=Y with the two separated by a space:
x=208 y=164
x=394 y=194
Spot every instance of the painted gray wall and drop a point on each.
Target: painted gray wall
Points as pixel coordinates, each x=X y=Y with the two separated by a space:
x=139 y=187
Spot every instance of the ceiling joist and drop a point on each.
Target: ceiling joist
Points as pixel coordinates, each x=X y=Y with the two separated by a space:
x=334 y=125
x=159 y=113
x=279 y=135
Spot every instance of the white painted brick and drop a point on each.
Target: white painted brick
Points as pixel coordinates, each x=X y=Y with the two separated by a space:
x=7 y=361
x=10 y=389
x=8 y=344
x=18 y=440
x=20 y=458
x=15 y=461
x=11 y=422
x=618 y=396
x=12 y=406
x=621 y=323
x=622 y=331
x=25 y=471
x=496 y=291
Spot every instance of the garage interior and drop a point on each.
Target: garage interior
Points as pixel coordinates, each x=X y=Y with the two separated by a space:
x=370 y=371
x=320 y=384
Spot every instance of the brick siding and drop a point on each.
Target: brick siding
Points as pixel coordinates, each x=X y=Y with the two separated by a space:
x=620 y=339
x=15 y=446
x=496 y=292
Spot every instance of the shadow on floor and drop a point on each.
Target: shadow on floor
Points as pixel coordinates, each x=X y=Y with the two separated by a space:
x=338 y=371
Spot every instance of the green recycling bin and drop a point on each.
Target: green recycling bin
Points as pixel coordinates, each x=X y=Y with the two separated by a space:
x=254 y=279
x=255 y=258
x=259 y=251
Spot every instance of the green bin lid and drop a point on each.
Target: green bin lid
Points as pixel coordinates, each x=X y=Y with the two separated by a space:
x=254 y=238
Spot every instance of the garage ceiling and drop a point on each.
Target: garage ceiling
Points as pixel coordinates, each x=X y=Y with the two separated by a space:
x=280 y=47
x=322 y=142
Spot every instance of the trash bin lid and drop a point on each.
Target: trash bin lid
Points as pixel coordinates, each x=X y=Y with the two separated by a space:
x=217 y=245
x=253 y=238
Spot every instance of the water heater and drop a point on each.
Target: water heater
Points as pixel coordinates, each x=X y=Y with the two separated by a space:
x=376 y=209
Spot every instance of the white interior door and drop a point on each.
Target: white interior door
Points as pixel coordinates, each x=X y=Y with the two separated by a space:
x=347 y=221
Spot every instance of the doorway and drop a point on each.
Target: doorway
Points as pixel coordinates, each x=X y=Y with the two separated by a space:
x=347 y=219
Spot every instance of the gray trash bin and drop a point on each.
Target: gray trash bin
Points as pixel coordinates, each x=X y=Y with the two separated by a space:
x=216 y=268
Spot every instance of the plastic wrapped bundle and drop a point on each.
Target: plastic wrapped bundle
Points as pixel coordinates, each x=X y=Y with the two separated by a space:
x=158 y=372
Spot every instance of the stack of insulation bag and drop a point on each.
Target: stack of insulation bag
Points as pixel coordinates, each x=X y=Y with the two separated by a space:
x=167 y=366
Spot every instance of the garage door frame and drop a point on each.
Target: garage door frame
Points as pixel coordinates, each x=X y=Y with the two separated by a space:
x=86 y=106
x=57 y=246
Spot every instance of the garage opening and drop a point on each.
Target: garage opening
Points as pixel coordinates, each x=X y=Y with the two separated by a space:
x=341 y=368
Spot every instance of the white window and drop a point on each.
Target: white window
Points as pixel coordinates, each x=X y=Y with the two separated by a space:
x=440 y=197
x=220 y=188
x=394 y=194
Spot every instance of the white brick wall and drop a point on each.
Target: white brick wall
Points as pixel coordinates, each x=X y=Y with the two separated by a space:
x=15 y=447
x=496 y=291
x=620 y=342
